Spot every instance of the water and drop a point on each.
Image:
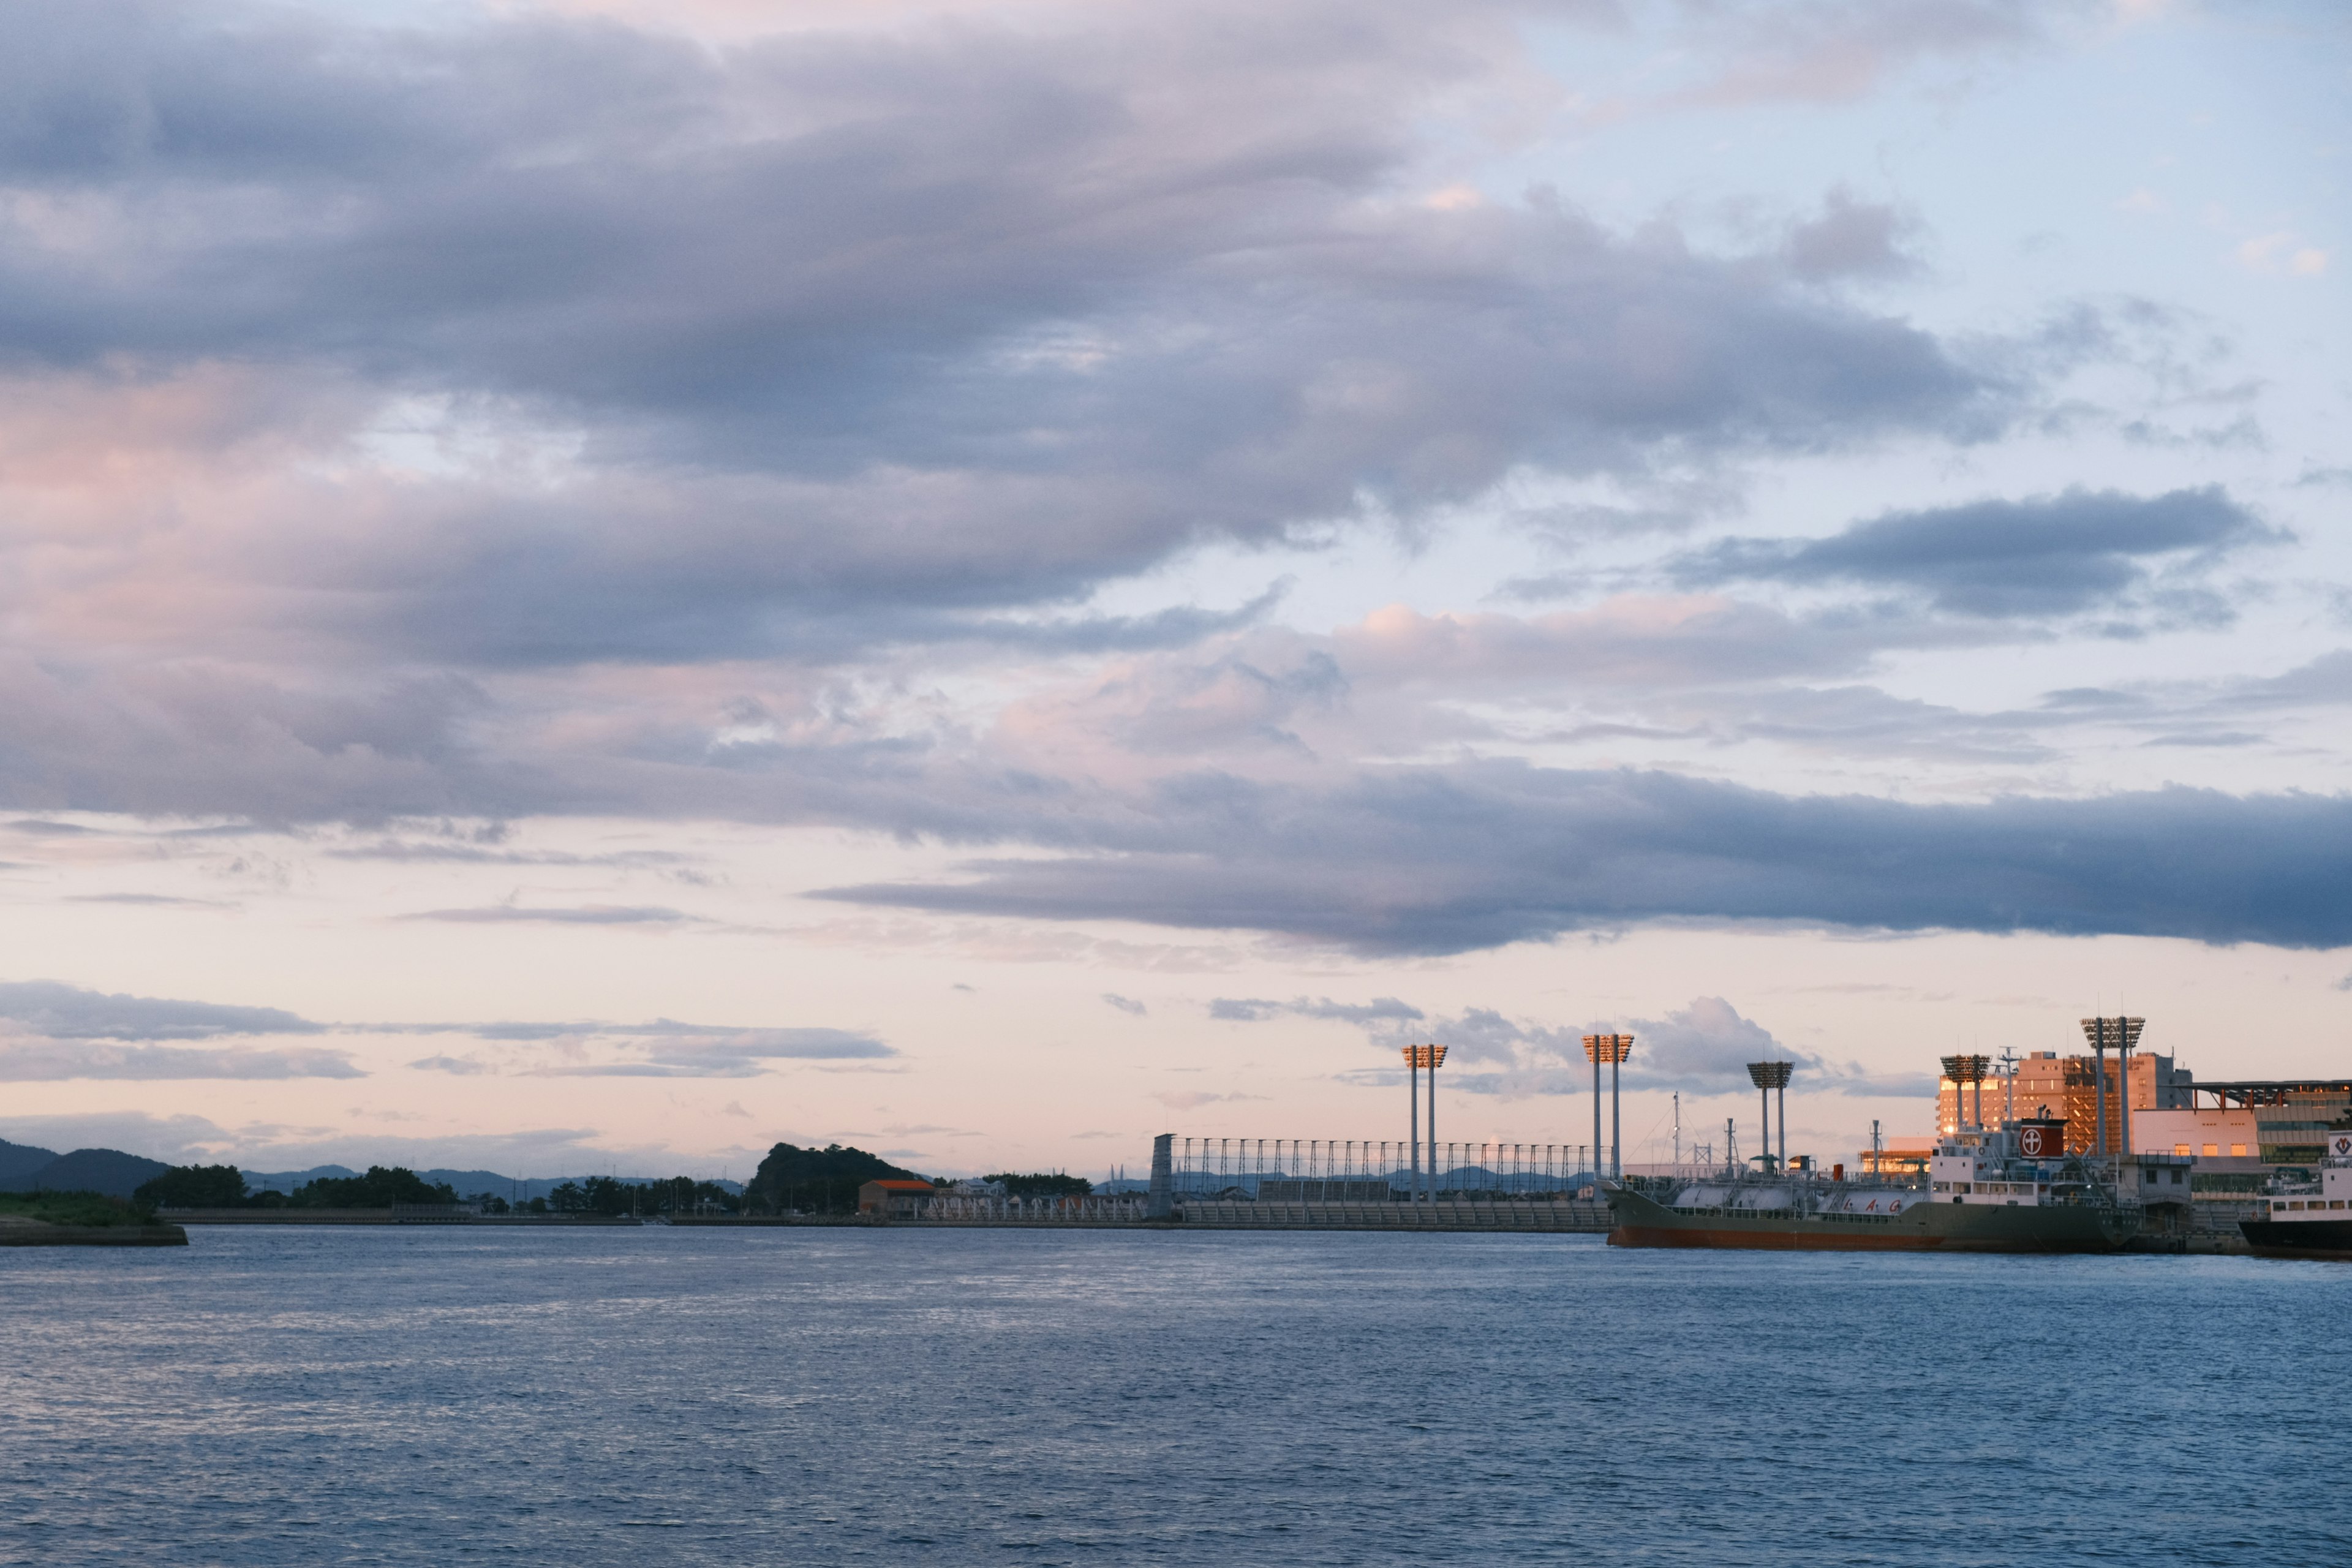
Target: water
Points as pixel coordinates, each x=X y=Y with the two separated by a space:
x=421 y=1396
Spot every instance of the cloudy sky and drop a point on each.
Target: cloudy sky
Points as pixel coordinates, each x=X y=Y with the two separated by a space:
x=590 y=584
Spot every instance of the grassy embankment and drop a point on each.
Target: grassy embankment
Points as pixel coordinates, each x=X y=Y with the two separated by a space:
x=88 y=1209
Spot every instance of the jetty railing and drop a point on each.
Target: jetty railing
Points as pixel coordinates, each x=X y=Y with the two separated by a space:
x=1313 y=1170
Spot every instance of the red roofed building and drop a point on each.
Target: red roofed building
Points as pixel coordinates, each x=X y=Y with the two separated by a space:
x=894 y=1200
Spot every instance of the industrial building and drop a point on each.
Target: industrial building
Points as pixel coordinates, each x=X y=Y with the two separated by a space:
x=2045 y=1084
x=894 y=1199
x=2231 y=1139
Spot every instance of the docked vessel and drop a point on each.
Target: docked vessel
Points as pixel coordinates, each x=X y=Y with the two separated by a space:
x=2010 y=1189
x=2309 y=1221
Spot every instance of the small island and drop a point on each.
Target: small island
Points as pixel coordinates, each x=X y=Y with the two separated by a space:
x=81 y=1219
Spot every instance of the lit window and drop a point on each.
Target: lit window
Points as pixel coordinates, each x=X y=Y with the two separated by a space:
x=2213 y=1148
x=2184 y=1149
x=2238 y=1151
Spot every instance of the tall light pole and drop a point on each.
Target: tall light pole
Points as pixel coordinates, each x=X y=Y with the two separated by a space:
x=1767 y=1076
x=1412 y=1121
x=1964 y=1071
x=1433 y=1058
x=1415 y=1058
x=1613 y=1049
x=2124 y=1034
x=1592 y=1053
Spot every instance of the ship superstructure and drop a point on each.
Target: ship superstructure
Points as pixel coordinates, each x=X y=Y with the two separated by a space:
x=2008 y=1188
x=1982 y=1192
x=2309 y=1219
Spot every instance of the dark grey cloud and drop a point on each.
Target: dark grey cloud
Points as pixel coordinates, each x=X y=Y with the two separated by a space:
x=62 y=1012
x=1447 y=860
x=871 y=336
x=1850 y=238
x=149 y=900
x=660 y=1049
x=1702 y=1048
x=2044 y=556
x=1250 y=1010
x=588 y=915
x=51 y=1061
x=1127 y=1005
x=63 y=1031
x=60 y=1032
x=430 y=850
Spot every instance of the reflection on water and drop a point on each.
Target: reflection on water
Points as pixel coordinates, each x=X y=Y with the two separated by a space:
x=433 y=1396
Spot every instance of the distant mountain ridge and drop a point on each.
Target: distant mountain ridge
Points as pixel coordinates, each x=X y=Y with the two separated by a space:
x=25 y=1168
x=19 y=1162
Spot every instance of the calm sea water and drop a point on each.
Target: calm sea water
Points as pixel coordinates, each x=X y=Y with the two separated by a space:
x=650 y=1396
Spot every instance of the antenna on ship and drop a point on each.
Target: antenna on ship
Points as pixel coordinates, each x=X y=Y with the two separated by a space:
x=1678 y=1126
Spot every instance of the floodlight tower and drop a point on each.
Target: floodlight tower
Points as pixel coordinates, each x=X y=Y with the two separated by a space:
x=1433 y=1059
x=1613 y=1049
x=1415 y=1058
x=1953 y=1072
x=1413 y=1120
x=1767 y=1076
x=2123 y=1034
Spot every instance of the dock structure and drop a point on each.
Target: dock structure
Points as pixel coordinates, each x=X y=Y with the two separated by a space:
x=1307 y=1184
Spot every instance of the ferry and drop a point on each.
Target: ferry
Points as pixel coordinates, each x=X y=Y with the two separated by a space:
x=2306 y=1221
x=2010 y=1189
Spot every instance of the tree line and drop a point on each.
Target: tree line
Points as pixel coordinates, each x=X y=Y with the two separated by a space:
x=224 y=1187
x=791 y=1180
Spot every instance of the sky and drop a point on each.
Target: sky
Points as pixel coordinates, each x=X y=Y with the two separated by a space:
x=597 y=586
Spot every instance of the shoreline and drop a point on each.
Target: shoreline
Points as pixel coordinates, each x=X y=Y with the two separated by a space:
x=41 y=1233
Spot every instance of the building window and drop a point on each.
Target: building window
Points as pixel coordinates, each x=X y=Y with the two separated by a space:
x=2216 y=1149
x=2183 y=1149
x=2237 y=1151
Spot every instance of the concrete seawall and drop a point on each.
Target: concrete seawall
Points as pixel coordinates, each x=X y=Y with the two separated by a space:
x=1447 y=1213
x=383 y=1216
x=15 y=1232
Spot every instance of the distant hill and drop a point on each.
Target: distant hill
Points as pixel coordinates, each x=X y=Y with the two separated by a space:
x=791 y=1177
x=287 y=1181
x=108 y=1171
x=467 y=1182
x=18 y=1161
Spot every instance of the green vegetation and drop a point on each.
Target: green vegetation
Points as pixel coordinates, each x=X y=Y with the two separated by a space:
x=194 y=1187
x=824 y=1181
x=76 y=1208
x=1043 y=1184
x=382 y=1187
x=223 y=1187
x=606 y=1195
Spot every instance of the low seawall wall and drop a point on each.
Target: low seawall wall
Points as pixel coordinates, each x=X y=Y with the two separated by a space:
x=34 y=1233
x=380 y=1217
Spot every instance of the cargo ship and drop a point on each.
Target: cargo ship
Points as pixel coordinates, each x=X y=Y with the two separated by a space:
x=2010 y=1189
x=2310 y=1221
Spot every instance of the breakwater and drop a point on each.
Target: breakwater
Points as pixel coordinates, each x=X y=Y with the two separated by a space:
x=16 y=1232
x=421 y=1213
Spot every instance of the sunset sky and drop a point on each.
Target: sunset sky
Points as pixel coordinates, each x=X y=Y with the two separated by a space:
x=596 y=586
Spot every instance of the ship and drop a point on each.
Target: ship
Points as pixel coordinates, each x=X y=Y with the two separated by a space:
x=2006 y=1189
x=2309 y=1220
